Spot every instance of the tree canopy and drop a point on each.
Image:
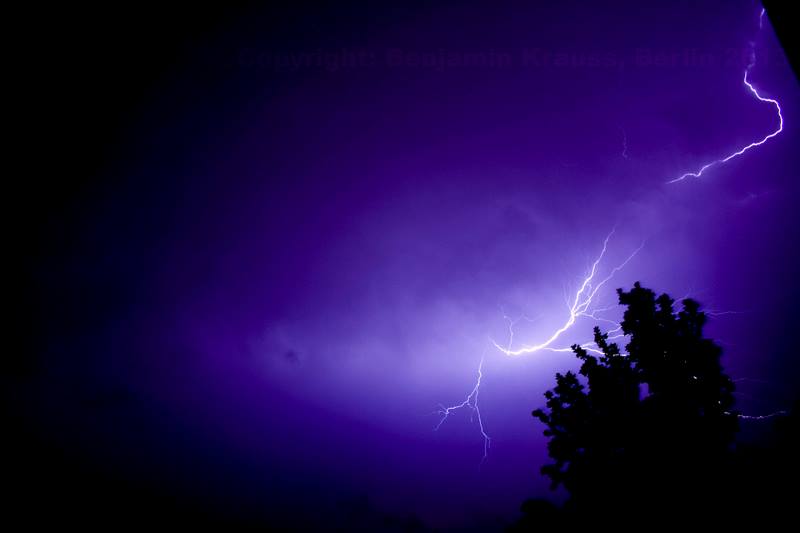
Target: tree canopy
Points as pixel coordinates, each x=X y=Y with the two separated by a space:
x=650 y=427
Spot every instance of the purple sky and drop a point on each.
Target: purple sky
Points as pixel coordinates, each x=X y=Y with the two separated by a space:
x=298 y=264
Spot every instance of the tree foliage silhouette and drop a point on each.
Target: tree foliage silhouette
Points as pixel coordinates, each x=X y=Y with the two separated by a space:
x=650 y=428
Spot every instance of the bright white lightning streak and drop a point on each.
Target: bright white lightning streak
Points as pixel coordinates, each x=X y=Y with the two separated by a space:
x=470 y=402
x=580 y=306
x=755 y=93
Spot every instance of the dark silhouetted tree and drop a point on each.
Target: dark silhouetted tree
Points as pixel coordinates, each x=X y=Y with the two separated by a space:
x=648 y=431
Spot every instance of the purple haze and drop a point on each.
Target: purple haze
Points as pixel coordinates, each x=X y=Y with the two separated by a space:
x=314 y=258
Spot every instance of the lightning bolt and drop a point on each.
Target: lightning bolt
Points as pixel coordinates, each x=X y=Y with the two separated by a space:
x=471 y=402
x=511 y=324
x=758 y=96
x=762 y=417
x=581 y=306
x=768 y=416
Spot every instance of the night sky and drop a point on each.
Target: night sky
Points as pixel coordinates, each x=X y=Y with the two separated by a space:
x=291 y=235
